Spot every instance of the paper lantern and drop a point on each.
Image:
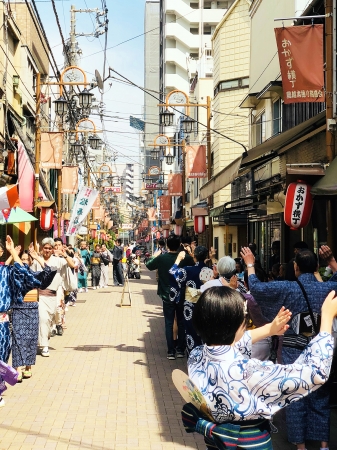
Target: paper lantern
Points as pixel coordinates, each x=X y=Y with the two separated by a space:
x=298 y=205
x=93 y=234
x=166 y=234
x=158 y=235
x=199 y=224
x=178 y=230
x=46 y=219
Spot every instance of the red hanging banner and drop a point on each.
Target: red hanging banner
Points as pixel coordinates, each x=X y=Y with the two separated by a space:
x=165 y=205
x=196 y=161
x=300 y=51
x=175 y=184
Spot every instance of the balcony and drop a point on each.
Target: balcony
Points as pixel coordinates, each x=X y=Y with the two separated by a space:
x=179 y=33
x=177 y=57
x=174 y=81
x=181 y=9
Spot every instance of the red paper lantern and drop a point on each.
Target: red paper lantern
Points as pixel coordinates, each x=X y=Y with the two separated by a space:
x=46 y=219
x=298 y=205
x=178 y=230
x=93 y=234
x=199 y=224
x=166 y=234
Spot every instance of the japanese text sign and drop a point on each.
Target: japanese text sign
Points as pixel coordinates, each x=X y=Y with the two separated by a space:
x=175 y=184
x=298 y=205
x=51 y=150
x=69 y=180
x=300 y=51
x=196 y=161
x=83 y=204
x=165 y=206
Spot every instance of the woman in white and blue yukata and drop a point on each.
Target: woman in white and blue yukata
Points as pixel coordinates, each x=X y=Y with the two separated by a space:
x=248 y=392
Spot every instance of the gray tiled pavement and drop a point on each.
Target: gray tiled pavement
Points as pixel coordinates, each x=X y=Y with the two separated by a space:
x=107 y=384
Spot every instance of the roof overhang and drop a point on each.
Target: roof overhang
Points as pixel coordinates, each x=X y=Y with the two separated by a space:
x=250 y=101
x=272 y=86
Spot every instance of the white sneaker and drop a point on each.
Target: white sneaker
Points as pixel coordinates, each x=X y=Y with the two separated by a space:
x=86 y=290
x=45 y=352
x=80 y=291
x=66 y=308
x=2 y=402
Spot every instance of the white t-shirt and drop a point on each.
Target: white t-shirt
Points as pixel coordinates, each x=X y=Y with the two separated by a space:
x=55 y=263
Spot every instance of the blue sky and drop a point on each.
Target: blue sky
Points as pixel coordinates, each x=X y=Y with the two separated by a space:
x=126 y=20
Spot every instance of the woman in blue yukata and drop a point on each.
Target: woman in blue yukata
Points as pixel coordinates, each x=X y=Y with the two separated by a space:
x=242 y=392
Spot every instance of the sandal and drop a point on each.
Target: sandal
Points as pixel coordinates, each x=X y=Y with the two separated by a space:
x=19 y=380
x=27 y=374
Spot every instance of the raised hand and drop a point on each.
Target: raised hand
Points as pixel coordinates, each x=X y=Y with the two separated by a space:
x=279 y=324
x=10 y=244
x=247 y=255
x=326 y=253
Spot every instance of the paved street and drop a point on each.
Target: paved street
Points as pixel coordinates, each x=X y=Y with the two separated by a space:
x=107 y=384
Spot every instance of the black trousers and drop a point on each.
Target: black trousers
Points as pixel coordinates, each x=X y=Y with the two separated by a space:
x=117 y=268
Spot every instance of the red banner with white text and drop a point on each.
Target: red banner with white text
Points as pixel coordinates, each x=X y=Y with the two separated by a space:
x=165 y=206
x=300 y=51
x=196 y=161
x=175 y=184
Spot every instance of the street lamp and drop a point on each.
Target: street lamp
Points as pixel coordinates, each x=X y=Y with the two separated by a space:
x=154 y=153
x=166 y=118
x=92 y=158
x=94 y=141
x=169 y=159
x=71 y=137
x=85 y=98
x=76 y=147
x=61 y=106
x=99 y=182
x=187 y=124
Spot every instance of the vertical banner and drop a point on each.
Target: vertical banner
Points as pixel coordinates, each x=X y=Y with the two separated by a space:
x=151 y=214
x=83 y=204
x=196 y=161
x=69 y=180
x=165 y=205
x=300 y=51
x=175 y=184
x=51 y=150
x=97 y=203
x=99 y=213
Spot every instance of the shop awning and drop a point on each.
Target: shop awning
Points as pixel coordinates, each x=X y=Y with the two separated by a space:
x=327 y=185
x=271 y=146
x=216 y=212
x=221 y=179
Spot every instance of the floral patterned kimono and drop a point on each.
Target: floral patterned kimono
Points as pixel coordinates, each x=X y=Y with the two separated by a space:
x=237 y=388
x=15 y=282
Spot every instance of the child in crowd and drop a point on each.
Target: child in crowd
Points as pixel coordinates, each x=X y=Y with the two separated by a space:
x=248 y=392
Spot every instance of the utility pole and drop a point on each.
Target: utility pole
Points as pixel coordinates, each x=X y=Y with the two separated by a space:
x=330 y=64
x=209 y=169
x=37 y=152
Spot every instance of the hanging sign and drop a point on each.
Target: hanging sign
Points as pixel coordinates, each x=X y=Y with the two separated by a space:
x=175 y=184
x=51 y=150
x=69 y=180
x=83 y=204
x=196 y=161
x=114 y=189
x=151 y=214
x=298 y=205
x=152 y=186
x=300 y=51
x=165 y=206
x=97 y=203
x=154 y=170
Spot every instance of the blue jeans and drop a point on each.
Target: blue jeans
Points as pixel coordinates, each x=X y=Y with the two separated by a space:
x=170 y=309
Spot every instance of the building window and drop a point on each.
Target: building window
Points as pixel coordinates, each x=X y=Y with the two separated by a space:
x=236 y=83
x=260 y=128
x=196 y=187
x=277 y=117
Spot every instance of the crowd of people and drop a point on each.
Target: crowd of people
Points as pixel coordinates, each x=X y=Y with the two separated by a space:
x=37 y=287
x=257 y=340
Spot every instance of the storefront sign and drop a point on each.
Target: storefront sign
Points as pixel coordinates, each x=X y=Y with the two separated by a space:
x=165 y=206
x=300 y=51
x=154 y=170
x=175 y=184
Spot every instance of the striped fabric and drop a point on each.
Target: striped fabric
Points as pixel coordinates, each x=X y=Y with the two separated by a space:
x=250 y=434
x=21 y=233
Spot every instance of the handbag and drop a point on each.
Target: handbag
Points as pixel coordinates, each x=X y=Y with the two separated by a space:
x=333 y=372
x=31 y=296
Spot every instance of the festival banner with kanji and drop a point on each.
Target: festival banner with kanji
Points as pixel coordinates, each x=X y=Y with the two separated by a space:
x=175 y=184
x=196 y=161
x=83 y=204
x=300 y=51
x=51 y=150
x=97 y=203
x=165 y=206
x=151 y=214
x=69 y=180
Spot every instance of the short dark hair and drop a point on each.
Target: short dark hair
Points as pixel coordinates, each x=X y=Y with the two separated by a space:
x=200 y=253
x=173 y=243
x=58 y=240
x=118 y=241
x=306 y=261
x=218 y=315
x=161 y=242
